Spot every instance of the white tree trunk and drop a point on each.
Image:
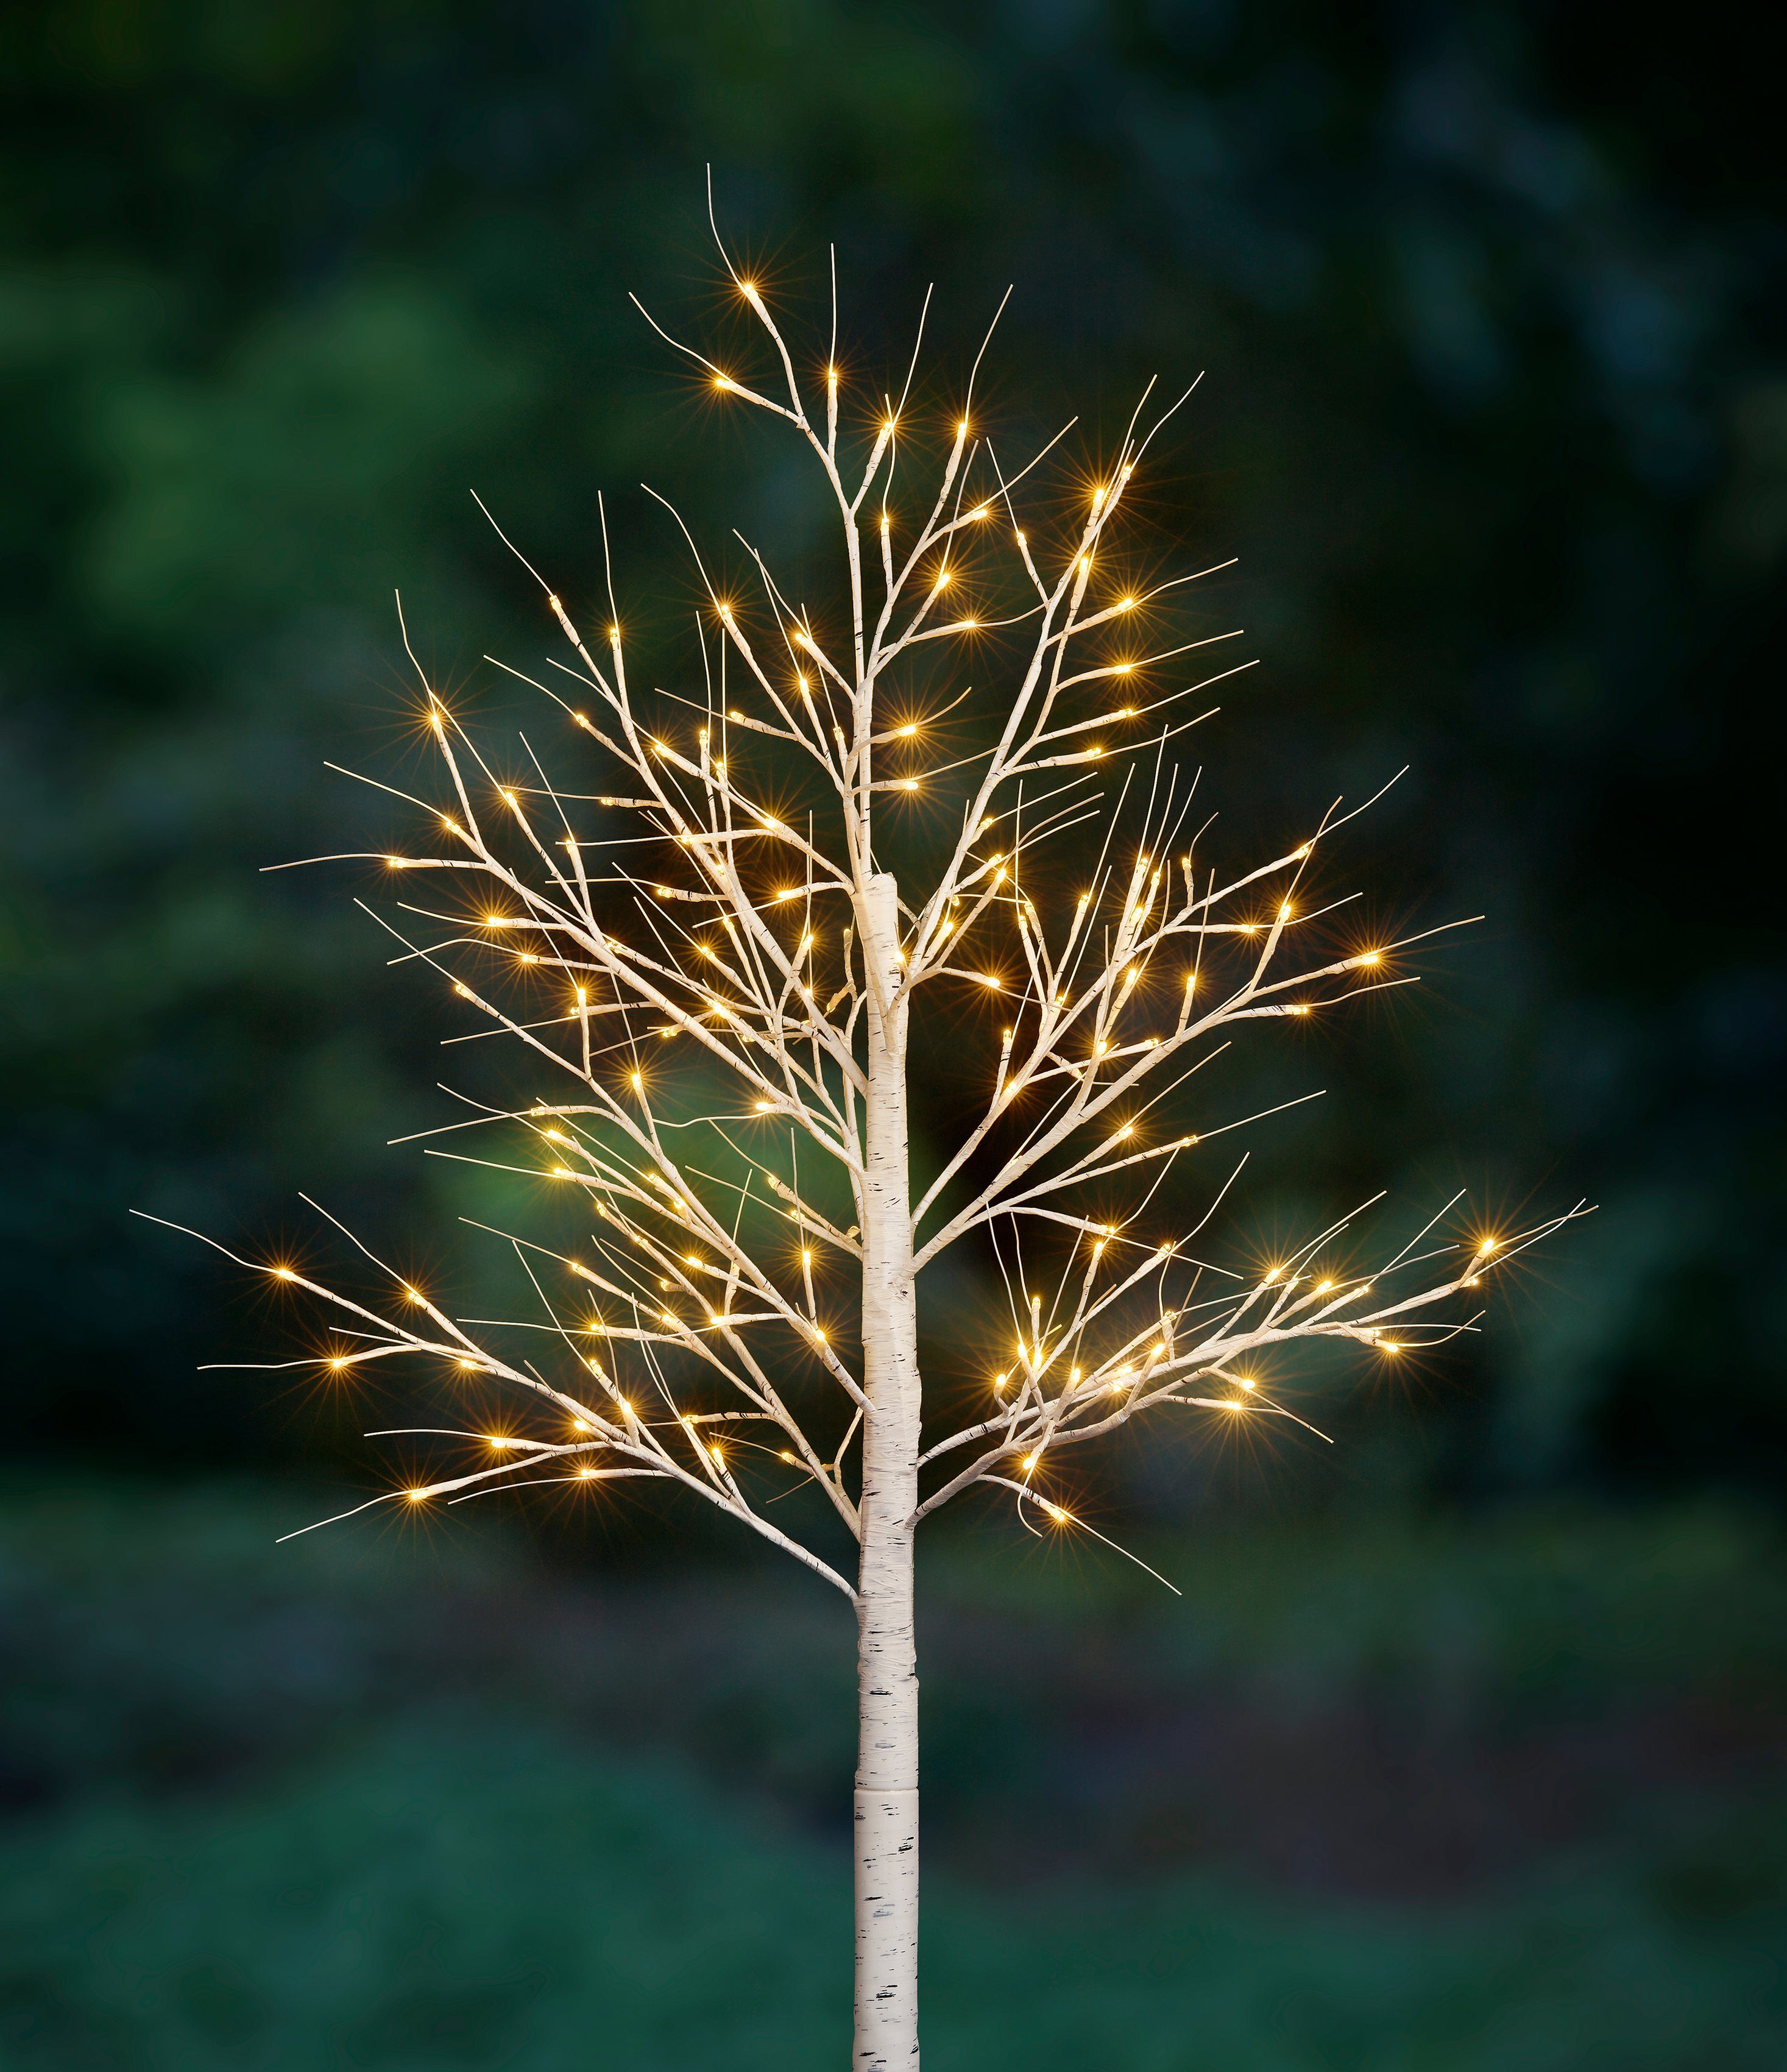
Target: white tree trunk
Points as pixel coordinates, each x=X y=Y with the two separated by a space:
x=887 y=1761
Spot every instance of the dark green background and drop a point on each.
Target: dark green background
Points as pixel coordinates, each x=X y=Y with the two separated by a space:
x=1491 y=304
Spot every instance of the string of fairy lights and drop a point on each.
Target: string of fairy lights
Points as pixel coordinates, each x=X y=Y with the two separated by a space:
x=704 y=1332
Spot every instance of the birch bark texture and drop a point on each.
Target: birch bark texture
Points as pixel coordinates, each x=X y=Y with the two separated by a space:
x=849 y=800
x=886 y=1808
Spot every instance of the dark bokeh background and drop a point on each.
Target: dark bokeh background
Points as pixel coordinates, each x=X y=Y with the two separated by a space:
x=1463 y=1750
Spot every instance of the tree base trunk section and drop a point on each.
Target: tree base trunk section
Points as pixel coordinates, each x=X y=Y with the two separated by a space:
x=887 y=1922
x=887 y=1662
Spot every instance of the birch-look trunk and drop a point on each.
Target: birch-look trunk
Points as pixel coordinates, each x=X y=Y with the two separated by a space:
x=886 y=1824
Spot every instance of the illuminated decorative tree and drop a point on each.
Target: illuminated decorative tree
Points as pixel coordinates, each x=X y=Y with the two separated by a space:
x=709 y=948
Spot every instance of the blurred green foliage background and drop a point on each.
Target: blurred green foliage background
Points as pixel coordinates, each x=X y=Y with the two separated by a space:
x=1463 y=1752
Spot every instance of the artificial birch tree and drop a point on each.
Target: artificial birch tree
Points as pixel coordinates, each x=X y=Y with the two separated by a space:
x=700 y=944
